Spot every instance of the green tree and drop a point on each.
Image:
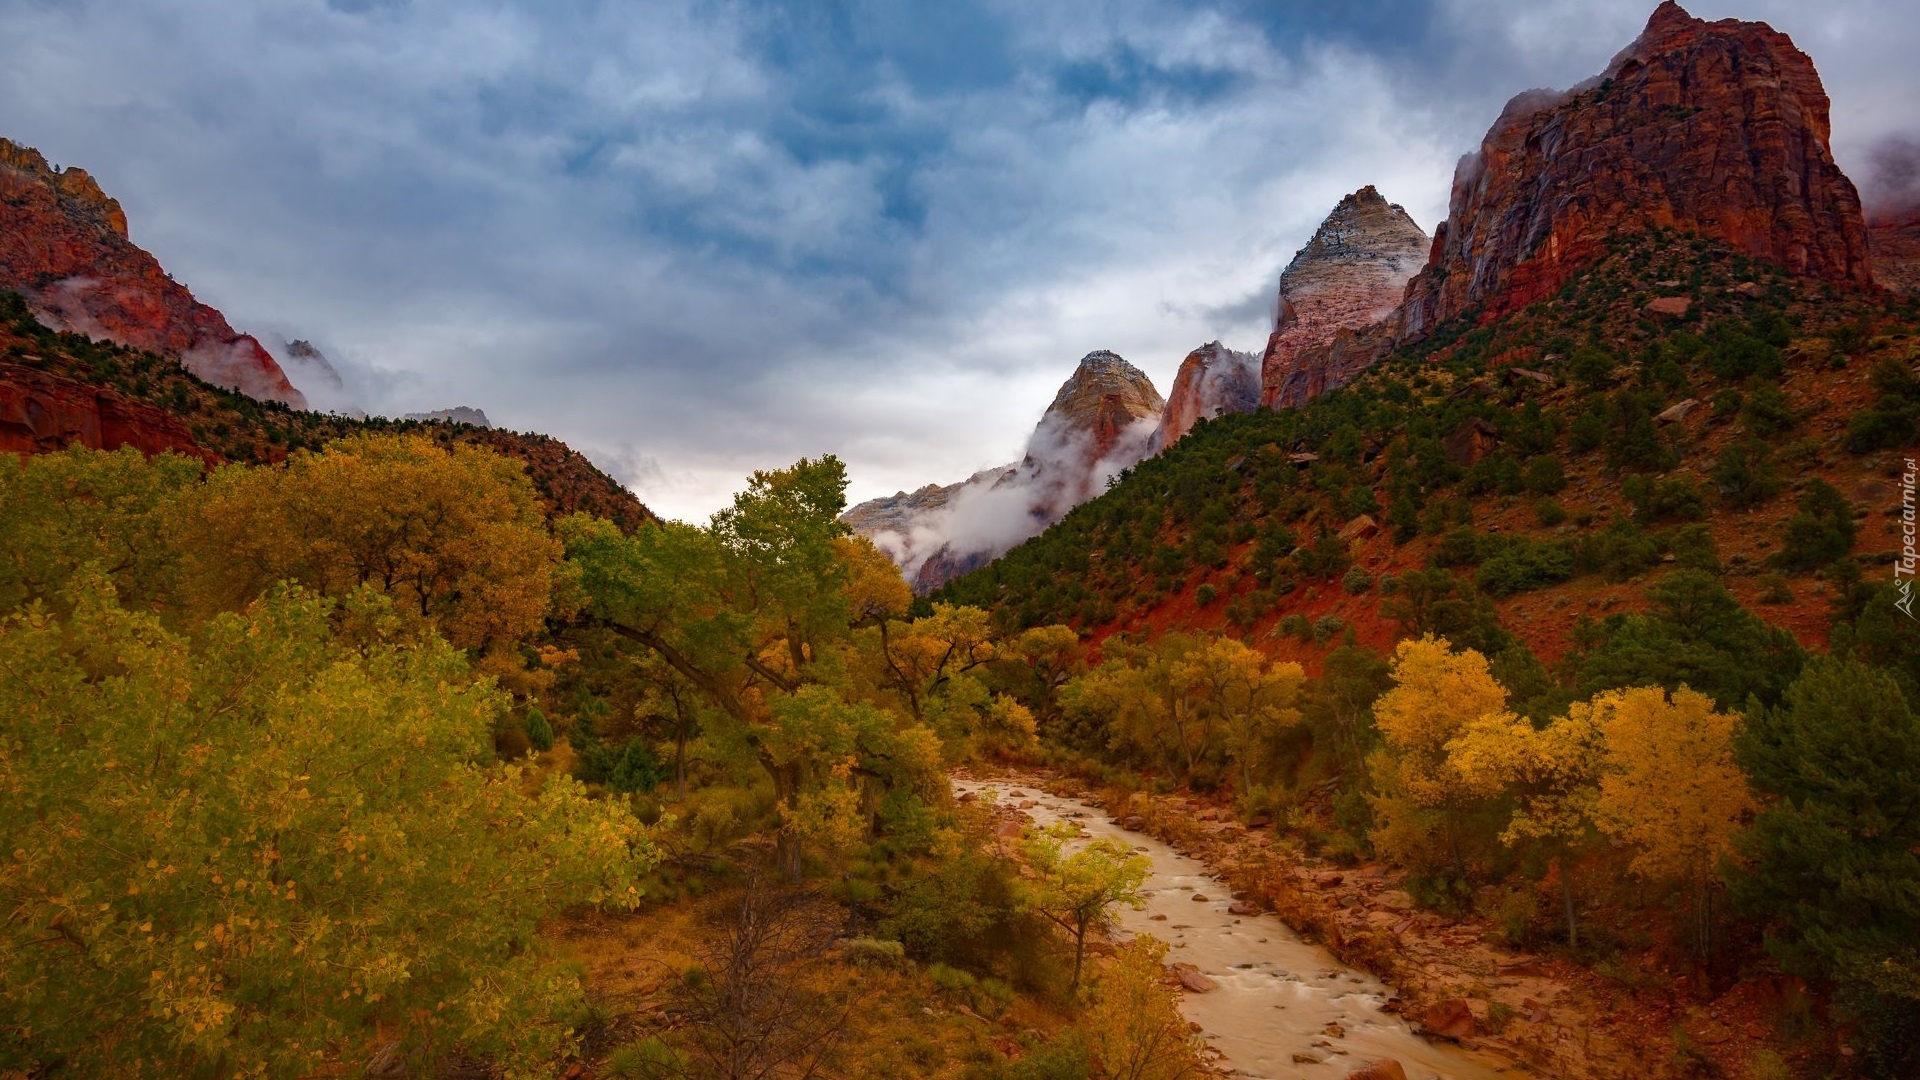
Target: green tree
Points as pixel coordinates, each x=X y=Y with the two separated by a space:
x=1835 y=857
x=1078 y=890
x=114 y=512
x=1820 y=532
x=758 y=613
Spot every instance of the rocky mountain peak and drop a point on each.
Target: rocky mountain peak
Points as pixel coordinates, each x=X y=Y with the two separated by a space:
x=64 y=246
x=1101 y=380
x=73 y=184
x=1099 y=407
x=1716 y=128
x=1350 y=276
x=1213 y=380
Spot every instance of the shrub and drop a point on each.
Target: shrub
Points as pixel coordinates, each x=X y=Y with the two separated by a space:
x=1894 y=419
x=1523 y=564
x=1767 y=412
x=1549 y=513
x=1665 y=499
x=1592 y=367
x=539 y=731
x=1356 y=581
x=1745 y=474
x=1619 y=551
x=1821 y=532
x=1326 y=626
x=1205 y=595
x=1544 y=475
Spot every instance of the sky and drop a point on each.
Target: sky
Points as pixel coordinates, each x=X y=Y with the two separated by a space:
x=699 y=239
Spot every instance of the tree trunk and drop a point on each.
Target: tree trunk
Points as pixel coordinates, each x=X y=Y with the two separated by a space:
x=680 y=761
x=1079 y=956
x=1566 y=900
x=786 y=788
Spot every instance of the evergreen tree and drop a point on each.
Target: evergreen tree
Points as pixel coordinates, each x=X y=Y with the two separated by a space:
x=1836 y=859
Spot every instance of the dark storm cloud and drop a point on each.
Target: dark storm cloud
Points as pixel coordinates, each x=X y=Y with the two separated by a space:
x=699 y=238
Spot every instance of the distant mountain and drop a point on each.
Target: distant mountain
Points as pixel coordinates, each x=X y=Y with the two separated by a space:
x=459 y=414
x=1102 y=420
x=64 y=246
x=1212 y=381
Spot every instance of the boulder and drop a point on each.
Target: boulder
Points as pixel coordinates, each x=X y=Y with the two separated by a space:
x=1384 y=1069
x=1449 y=1019
x=1193 y=979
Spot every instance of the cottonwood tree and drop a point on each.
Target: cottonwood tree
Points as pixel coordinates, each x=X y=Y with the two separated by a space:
x=758 y=612
x=1254 y=699
x=1422 y=799
x=1134 y=1026
x=1670 y=788
x=1078 y=890
x=1553 y=773
x=241 y=851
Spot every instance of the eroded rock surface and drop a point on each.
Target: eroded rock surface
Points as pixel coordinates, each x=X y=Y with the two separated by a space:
x=1717 y=128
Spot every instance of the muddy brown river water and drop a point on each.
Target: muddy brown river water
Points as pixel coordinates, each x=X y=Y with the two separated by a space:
x=1284 y=1009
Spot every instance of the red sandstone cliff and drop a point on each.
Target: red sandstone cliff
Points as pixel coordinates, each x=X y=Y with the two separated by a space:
x=1213 y=380
x=64 y=245
x=1717 y=128
x=1351 y=275
x=41 y=413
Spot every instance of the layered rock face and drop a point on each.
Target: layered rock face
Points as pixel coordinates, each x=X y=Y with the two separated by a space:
x=1103 y=419
x=1716 y=128
x=1351 y=275
x=64 y=246
x=1213 y=380
x=41 y=413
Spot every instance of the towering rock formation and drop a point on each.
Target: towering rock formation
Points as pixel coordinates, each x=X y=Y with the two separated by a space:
x=1103 y=419
x=1717 y=128
x=1350 y=276
x=1213 y=380
x=64 y=246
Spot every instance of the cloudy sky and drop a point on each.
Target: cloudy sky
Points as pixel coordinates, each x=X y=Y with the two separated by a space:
x=696 y=239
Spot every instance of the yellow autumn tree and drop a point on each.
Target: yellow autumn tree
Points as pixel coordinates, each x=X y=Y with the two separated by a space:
x=1670 y=789
x=1078 y=889
x=1252 y=699
x=1134 y=1026
x=455 y=535
x=1551 y=772
x=1422 y=800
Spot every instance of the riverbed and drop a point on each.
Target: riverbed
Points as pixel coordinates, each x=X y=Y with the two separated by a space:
x=1283 y=1009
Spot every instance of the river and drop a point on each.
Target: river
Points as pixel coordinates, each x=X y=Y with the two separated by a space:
x=1284 y=1009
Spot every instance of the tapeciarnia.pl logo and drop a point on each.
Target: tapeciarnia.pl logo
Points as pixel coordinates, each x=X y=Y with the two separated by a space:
x=1903 y=568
